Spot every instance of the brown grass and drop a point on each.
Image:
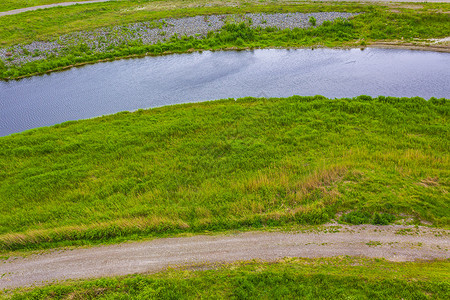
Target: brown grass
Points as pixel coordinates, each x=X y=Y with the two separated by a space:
x=427 y=182
x=78 y=232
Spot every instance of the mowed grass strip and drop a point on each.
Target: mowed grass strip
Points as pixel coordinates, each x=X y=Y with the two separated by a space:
x=7 y=5
x=225 y=164
x=330 y=278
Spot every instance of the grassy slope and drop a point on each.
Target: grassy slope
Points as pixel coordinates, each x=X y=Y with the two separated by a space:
x=335 y=278
x=378 y=23
x=222 y=165
x=6 y=5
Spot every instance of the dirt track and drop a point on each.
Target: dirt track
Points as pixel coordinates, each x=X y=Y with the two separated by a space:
x=21 y=10
x=153 y=256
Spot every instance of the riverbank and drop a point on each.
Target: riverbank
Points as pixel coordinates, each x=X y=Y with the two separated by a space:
x=334 y=25
x=411 y=46
x=159 y=31
x=380 y=45
x=224 y=165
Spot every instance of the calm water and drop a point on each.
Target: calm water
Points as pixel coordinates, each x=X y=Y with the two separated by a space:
x=107 y=88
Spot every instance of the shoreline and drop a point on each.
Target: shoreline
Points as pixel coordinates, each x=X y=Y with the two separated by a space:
x=410 y=46
x=377 y=45
x=215 y=32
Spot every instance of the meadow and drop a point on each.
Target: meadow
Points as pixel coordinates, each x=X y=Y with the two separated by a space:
x=249 y=163
x=398 y=23
x=230 y=164
x=6 y=5
x=330 y=278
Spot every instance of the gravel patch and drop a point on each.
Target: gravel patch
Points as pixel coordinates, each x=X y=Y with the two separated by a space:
x=393 y=243
x=105 y=39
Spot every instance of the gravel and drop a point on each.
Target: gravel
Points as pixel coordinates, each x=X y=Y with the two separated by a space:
x=393 y=242
x=102 y=40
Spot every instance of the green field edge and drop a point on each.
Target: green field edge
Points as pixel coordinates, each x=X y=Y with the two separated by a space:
x=341 y=277
x=8 y=5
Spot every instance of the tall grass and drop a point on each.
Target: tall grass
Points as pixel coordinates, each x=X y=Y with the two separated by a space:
x=225 y=164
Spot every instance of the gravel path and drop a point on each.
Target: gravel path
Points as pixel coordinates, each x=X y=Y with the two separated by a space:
x=21 y=10
x=395 y=243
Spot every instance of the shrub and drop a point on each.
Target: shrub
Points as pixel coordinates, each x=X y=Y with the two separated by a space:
x=356 y=218
x=382 y=219
x=363 y=217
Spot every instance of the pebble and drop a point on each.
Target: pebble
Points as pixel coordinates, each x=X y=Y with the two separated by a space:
x=102 y=40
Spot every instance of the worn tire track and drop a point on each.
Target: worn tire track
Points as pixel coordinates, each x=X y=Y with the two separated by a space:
x=32 y=8
x=152 y=256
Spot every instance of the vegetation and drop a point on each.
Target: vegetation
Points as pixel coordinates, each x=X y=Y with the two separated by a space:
x=51 y=23
x=364 y=217
x=334 y=278
x=376 y=23
x=228 y=164
x=6 y=5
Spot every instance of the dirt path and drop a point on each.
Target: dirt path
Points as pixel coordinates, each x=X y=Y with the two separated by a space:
x=391 y=242
x=21 y=10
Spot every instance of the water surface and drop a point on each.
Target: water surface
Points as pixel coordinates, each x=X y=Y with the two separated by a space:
x=107 y=88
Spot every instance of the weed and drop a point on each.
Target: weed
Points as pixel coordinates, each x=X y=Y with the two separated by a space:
x=364 y=217
x=373 y=243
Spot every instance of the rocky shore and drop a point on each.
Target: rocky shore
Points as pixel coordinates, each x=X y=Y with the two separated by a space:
x=105 y=39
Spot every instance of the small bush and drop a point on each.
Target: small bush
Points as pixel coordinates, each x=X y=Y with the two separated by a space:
x=312 y=21
x=356 y=218
x=382 y=219
x=362 y=217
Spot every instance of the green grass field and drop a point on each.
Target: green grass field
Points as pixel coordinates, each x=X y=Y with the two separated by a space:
x=377 y=23
x=6 y=5
x=249 y=163
x=232 y=164
x=332 y=278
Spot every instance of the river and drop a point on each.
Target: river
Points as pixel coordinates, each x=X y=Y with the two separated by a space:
x=127 y=85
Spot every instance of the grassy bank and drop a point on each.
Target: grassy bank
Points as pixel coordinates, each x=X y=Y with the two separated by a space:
x=51 y=23
x=334 y=278
x=249 y=163
x=376 y=23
